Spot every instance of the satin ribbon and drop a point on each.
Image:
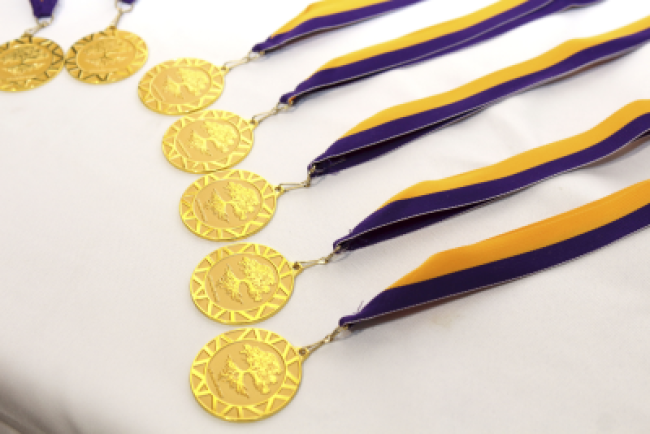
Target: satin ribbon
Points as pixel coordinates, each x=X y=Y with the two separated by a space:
x=431 y=202
x=43 y=8
x=430 y=42
x=396 y=126
x=328 y=15
x=515 y=254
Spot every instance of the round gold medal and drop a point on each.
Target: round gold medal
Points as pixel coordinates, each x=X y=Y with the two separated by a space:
x=29 y=62
x=207 y=141
x=242 y=283
x=228 y=205
x=181 y=86
x=106 y=57
x=246 y=375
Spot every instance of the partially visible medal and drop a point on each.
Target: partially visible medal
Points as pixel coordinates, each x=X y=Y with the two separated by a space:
x=29 y=62
x=107 y=56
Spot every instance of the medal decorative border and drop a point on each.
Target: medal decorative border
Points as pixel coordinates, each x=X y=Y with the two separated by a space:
x=178 y=157
x=216 y=406
x=56 y=64
x=152 y=101
x=141 y=55
x=200 y=284
x=199 y=227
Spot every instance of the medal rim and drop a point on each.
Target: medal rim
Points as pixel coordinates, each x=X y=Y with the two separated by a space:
x=176 y=159
x=53 y=70
x=152 y=103
x=186 y=205
x=217 y=256
x=140 y=59
x=241 y=337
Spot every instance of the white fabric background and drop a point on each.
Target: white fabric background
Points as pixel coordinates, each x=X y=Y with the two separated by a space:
x=97 y=328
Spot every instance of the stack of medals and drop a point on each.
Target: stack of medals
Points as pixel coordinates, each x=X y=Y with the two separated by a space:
x=248 y=374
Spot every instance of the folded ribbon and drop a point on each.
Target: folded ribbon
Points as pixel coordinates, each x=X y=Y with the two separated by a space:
x=430 y=42
x=431 y=202
x=515 y=254
x=396 y=126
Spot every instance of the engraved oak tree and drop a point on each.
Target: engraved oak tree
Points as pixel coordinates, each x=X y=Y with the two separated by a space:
x=222 y=136
x=243 y=201
x=259 y=279
x=263 y=367
x=197 y=142
x=195 y=81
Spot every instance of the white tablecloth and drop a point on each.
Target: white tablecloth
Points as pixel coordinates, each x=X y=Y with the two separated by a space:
x=97 y=328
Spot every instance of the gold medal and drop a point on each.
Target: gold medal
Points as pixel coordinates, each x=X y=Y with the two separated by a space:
x=207 y=141
x=181 y=86
x=249 y=374
x=246 y=375
x=243 y=283
x=29 y=62
x=106 y=57
x=228 y=205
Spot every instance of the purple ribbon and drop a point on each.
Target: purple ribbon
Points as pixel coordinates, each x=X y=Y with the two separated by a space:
x=330 y=22
x=43 y=8
x=490 y=28
x=358 y=148
x=501 y=271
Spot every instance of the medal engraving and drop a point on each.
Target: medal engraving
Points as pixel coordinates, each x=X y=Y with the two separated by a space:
x=242 y=283
x=29 y=62
x=228 y=205
x=181 y=86
x=207 y=141
x=106 y=57
x=246 y=375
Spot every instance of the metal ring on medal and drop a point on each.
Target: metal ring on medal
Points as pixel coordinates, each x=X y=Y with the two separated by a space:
x=207 y=141
x=242 y=283
x=28 y=63
x=246 y=375
x=181 y=86
x=106 y=57
x=228 y=205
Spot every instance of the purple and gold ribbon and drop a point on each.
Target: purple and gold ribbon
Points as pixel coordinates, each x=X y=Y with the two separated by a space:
x=43 y=8
x=430 y=202
x=399 y=125
x=328 y=15
x=516 y=254
x=430 y=42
